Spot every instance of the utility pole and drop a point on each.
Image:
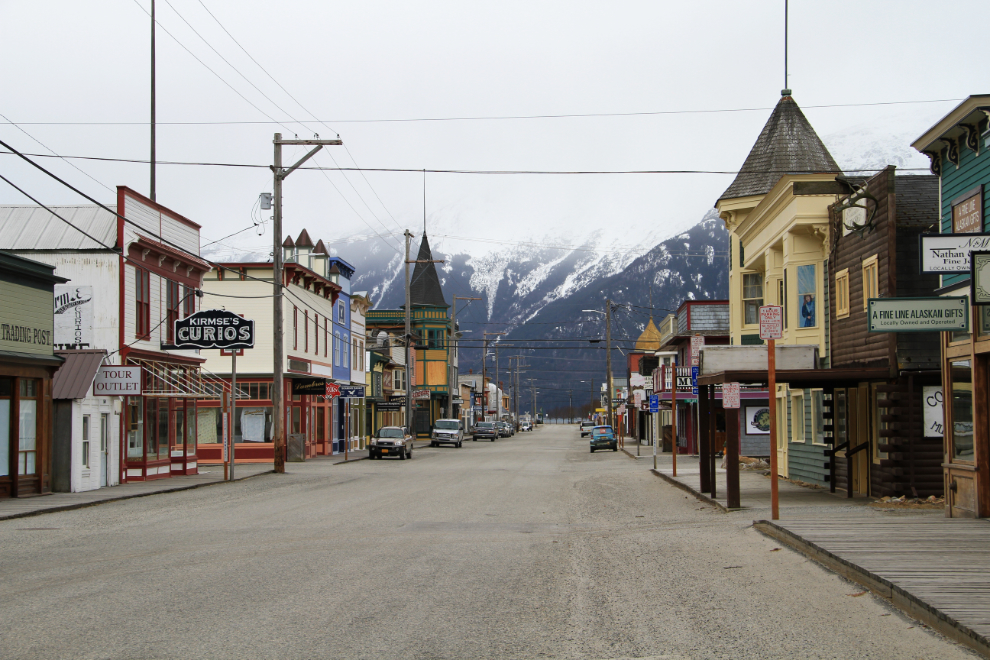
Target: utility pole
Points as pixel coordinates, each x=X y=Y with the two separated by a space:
x=153 y=121
x=278 y=405
x=608 y=357
x=484 y=369
x=570 y=407
x=452 y=373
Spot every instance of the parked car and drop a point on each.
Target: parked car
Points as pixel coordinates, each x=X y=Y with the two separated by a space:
x=586 y=427
x=486 y=431
x=602 y=437
x=506 y=430
x=447 y=431
x=391 y=441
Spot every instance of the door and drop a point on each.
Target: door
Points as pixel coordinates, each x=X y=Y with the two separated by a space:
x=858 y=427
x=782 y=431
x=104 y=446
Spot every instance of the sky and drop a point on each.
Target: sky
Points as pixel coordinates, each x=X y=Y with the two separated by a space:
x=346 y=63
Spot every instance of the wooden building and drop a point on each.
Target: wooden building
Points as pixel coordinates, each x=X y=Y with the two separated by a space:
x=27 y=363
x=874 y=253
x=957 y=146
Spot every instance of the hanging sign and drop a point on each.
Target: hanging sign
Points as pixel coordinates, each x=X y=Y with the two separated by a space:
x=697 y=343
x=979 y=278
x=421 y=395
x=332 y=390
x=315 y=386
x=694 y=380
x=117 y=381
x=938 y=314
x=771 y=322
x=214 y=328
x=351 y=391
x=949 y=253
x=730 y=395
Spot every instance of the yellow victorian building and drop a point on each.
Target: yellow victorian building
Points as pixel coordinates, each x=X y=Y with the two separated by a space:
x=776 y=211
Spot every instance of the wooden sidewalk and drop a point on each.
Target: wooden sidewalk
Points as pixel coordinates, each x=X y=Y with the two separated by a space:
x=936 y=569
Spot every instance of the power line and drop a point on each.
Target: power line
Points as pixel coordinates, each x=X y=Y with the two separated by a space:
x=646 y=113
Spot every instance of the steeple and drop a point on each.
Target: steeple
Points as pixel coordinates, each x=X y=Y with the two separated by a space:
x=649 y=340
x=787 y=145
x=424 y=287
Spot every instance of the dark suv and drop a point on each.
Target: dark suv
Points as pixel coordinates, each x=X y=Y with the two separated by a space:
x=485 y=431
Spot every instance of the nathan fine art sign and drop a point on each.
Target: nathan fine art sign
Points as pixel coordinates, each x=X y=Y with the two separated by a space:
x=919 y=314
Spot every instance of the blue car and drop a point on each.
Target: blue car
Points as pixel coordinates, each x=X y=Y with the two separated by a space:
x=603 y=437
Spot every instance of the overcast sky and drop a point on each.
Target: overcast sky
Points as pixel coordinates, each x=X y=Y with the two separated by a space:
x=71 y=61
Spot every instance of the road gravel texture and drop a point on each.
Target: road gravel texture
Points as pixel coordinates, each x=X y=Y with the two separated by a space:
x=529 y=547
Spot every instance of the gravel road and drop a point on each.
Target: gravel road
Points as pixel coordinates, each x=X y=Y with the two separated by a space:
x=529 y=547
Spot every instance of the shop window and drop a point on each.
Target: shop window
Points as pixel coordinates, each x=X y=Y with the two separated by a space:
x=253 y=425
x=85 y=441
x=870 y=280
x=797 y=418
x=961 y=375
x=842 y=294
x=142 y=303
x=163 y=434
x=321 y=422
x=752 y=297
x=27 y=441
x=172 y=302
x=191 y=431
x=135 y=427
x=6 y=393
x=807 y=298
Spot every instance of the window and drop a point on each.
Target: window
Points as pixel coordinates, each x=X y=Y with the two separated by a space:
x=817 y=417
x=85 y=441
x=142 y=303
x=316 y=334
x=295 y=327
x=399 y=379
x=355 y=361
x=27 y=427
x=842 y=294
x=752 y=297
x=172 y=302
x=797 y=418
x=435 y=338
x=306 y=331
x=188 y=301
x=345 y=352
x=336 y=348
x=807 y=297
x=878 y=424
x=341 y=314
x=961 y=376
x=869 y=280
x=783 y=298
x=326 y=335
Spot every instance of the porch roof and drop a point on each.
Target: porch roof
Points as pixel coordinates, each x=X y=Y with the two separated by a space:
x=800 y=378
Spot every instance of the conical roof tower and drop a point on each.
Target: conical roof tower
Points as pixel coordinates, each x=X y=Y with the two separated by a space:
x=787 y=145
x=649 y=340
x=424 y=287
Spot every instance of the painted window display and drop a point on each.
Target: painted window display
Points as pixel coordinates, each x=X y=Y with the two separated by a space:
x=757 y=420
x=807 y=301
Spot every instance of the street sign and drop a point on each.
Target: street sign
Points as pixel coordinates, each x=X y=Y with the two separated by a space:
x=937 y=314
x=214 y=328
x=117 y=381
x=979 y=278
x=654 y=403
x=421 y=395
x=949 y=253
x=730 y=395
x=351 y=391
x=771 y=322
x=697 y=342
x=694 y=380
x=331 y=390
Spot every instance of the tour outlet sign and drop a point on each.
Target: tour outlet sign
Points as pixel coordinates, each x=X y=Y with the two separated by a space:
x=942 y=314
x=949 y=253
x=214 y=328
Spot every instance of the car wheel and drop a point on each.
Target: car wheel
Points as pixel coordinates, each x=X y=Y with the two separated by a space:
x=459 y=445
x=474 y=439
x=615 y=449
x=592 y=450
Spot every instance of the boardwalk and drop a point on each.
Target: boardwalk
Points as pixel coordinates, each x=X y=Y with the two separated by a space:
x=936 y=568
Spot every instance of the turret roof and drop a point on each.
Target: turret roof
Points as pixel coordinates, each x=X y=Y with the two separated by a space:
x=424 y=288
x=649 y=340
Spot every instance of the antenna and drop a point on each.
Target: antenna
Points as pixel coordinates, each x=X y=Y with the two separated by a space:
x=787 y=90
x=424 y=202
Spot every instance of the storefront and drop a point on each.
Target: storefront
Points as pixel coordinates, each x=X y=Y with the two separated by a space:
x=27 y=364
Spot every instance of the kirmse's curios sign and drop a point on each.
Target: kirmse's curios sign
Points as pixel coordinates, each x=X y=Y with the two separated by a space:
x=214 y=328
x=942 y=314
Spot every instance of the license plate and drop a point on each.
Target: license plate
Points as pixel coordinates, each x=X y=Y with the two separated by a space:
x=384 y=451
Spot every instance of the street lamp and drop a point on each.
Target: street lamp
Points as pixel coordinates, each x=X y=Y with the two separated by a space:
x=671 y=358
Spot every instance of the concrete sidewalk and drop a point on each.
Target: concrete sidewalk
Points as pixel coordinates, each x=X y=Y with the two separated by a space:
x=21 y=507
x=754 y=487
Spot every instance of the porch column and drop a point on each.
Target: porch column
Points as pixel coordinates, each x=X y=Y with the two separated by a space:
x=713 y=407
x=732 y=458
x=704 y=441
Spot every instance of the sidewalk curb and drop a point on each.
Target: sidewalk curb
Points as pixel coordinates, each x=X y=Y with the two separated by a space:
x=902 y=600
x=687 y=489
x=350 y=460
x=84 y=505
x=634 y=456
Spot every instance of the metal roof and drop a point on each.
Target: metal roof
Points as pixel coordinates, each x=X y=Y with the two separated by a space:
x=424 y=286
x=74 y=377
x=34 y=228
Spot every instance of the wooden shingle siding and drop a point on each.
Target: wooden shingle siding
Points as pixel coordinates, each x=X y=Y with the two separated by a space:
x=972 y=171
x=710 y=318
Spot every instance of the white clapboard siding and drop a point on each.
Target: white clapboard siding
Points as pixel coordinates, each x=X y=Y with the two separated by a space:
x=160 y=226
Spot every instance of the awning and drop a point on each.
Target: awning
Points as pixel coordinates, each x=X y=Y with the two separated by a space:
x=75 y=376
x=801 y=378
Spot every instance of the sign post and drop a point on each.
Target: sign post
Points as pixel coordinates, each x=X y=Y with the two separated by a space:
x=673 y=417
x=772 y=329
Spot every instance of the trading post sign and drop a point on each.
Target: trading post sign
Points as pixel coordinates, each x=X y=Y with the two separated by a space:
x=942 y=314
x=214 y=328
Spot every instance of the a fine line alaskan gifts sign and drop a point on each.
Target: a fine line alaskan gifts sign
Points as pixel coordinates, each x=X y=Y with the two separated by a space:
x=214 y=328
